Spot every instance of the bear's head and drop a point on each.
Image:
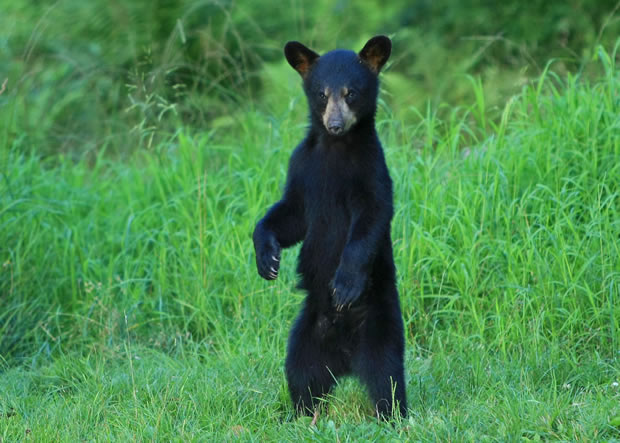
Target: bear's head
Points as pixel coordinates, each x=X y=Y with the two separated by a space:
x=341 y=85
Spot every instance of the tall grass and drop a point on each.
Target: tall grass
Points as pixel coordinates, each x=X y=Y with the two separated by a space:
x=131 y=307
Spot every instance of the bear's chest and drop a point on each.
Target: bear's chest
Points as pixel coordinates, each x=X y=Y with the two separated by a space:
x=331 y=183
x=328 y=214
x=327 y=200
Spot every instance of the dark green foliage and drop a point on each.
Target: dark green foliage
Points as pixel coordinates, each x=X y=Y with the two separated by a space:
x=84 y=76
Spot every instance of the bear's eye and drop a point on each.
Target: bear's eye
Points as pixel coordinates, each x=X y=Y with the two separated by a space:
x=350 y=94
x=322 y=96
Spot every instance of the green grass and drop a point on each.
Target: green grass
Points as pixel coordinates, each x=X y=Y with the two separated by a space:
x=131 y=308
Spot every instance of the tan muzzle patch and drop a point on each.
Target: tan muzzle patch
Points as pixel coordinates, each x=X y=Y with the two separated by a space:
x=338 y=117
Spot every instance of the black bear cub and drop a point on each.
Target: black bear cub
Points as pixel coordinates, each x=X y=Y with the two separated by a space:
x=338 y=201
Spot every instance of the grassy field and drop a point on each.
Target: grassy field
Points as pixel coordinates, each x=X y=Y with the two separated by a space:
x=130 y=307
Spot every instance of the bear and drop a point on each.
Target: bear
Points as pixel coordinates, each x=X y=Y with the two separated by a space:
x=338 y=201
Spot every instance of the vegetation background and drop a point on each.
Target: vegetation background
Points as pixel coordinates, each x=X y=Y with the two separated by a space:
x=140 y=141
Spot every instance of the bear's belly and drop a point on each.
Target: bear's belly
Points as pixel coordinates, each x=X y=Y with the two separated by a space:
x=340 y=329
x=320 y=253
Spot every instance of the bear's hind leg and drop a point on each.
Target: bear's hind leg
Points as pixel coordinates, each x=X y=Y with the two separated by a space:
x=311 y=368
x=383 y=374
x=380 y=364
x=307 y=385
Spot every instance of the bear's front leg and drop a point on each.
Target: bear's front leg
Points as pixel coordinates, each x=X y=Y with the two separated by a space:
x=268 y=252
x=347 y=287
x=281 y=227
x=370 y=227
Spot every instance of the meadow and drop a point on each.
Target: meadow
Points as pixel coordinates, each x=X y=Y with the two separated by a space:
x=130 y=306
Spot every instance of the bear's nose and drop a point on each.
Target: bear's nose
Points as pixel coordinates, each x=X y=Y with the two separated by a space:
x=336 y=128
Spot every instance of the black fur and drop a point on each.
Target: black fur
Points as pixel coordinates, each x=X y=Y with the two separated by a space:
x=338 y=201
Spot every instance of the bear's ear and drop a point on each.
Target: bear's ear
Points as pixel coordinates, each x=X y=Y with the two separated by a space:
x=300 y=57
x=376 y=52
